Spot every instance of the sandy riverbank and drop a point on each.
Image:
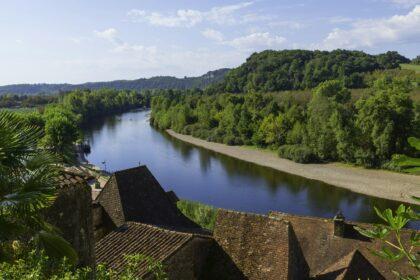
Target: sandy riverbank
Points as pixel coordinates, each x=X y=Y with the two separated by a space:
x=379 y=183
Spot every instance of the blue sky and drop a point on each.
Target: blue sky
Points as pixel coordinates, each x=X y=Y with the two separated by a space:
x=96 y=40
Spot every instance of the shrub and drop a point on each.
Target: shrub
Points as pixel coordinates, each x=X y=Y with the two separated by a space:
x=297 y=153
x=202 y=214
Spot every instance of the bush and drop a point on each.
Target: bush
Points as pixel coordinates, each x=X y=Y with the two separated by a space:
x=297 y=153
x=202 y=214
x=35 y=265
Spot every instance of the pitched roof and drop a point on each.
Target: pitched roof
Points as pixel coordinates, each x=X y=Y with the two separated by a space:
x=351 y=266
x=137 y=238
x=67 y=179
x=135 y=195
x=322 y=249
x=260 y=246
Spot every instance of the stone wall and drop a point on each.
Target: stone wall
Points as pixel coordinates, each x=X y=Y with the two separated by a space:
x=102 y=223
x=259 y=246
x=190 y=261
x=71 y=213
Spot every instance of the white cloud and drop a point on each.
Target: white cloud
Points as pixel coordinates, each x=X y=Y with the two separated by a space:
x=340 y=19
x=256 y=41
x=109 y=34
x=213 y=34
x=287 y=24
x=373 y=32
x=188 y=17
x=119 y=46
x=126 y=47
x=224 y=14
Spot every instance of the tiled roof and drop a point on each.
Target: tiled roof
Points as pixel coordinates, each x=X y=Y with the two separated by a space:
x=322 y=249
x=67 y=179
x=137 y=238
x=142 y=199
x=260 y=246
x=351 y=266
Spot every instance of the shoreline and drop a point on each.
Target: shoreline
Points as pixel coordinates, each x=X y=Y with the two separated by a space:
x=378 y=183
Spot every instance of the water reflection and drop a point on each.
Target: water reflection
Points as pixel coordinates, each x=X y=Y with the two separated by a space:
x=202 y=175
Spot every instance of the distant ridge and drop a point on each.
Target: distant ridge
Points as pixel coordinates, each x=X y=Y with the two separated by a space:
x=158 y=82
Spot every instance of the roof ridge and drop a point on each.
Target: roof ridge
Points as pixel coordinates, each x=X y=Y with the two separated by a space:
x=160 y=228
x=254 y=215
x=343 y=262
x=130 y=169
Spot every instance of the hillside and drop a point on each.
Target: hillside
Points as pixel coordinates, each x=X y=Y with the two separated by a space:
x=160 y=82
x=270 y=70
x=414 y=67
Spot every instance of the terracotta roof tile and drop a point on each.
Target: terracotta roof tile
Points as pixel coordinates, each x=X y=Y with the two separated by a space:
x=138 y=238
x=351 y=266
x=67 y=179
x=322 y=249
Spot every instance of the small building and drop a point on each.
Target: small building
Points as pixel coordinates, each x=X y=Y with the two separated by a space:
x=71 y=213
x=135 y=195
x=184 y=255
x=134 y=215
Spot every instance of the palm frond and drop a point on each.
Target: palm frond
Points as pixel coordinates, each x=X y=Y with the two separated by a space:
x=57 y=247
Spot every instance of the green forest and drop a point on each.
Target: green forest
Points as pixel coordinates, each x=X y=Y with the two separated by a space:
x=332 y=123
x=61 y=120
x=270 y=70
x=159 y=82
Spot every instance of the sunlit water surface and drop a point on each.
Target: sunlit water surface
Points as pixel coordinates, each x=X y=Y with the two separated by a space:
x=127 y=140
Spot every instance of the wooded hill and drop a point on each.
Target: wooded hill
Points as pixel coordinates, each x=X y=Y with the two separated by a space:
x=270 y=70
x=160 y=82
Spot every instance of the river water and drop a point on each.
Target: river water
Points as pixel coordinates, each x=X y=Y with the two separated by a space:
x=127 y=140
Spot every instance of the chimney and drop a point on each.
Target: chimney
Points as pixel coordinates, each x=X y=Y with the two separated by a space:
x=339 y=224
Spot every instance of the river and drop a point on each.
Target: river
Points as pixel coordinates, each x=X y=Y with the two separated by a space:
x=127 y=140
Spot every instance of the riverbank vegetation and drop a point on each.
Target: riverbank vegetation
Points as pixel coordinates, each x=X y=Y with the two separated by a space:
x=202 y=214
x=61 y=120
x=332 y=125
x=31 y=248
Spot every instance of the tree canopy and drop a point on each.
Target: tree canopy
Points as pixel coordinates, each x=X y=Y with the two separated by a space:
x=270 y=70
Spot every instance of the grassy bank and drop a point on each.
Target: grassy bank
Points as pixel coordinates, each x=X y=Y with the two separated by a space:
x=202 y=214
x=413 y=67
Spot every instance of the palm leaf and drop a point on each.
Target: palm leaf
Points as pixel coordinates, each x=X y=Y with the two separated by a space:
x=413 y=170
x=57 y=247
x=406 y=161
x=414 y=142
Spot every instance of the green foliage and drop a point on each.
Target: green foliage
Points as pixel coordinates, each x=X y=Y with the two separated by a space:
x=25 y=101
x=330 y=127
x=61 y=131
x=36 y=265
x=160 y=82
x=396 y=249
x=385 y=120
x=409 y=164
x=297 y=153
x=326 y=113
x=203 y=215
x=416 y=60
x=28 y=180
x=269 y=70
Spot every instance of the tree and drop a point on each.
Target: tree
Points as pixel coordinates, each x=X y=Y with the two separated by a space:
x=416 y=60
x=28 y=180
x=61 y=132
x=325 y=119
x=384 y=120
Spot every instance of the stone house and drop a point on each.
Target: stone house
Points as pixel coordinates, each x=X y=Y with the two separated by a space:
x=71 y=213
x=134 y=215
